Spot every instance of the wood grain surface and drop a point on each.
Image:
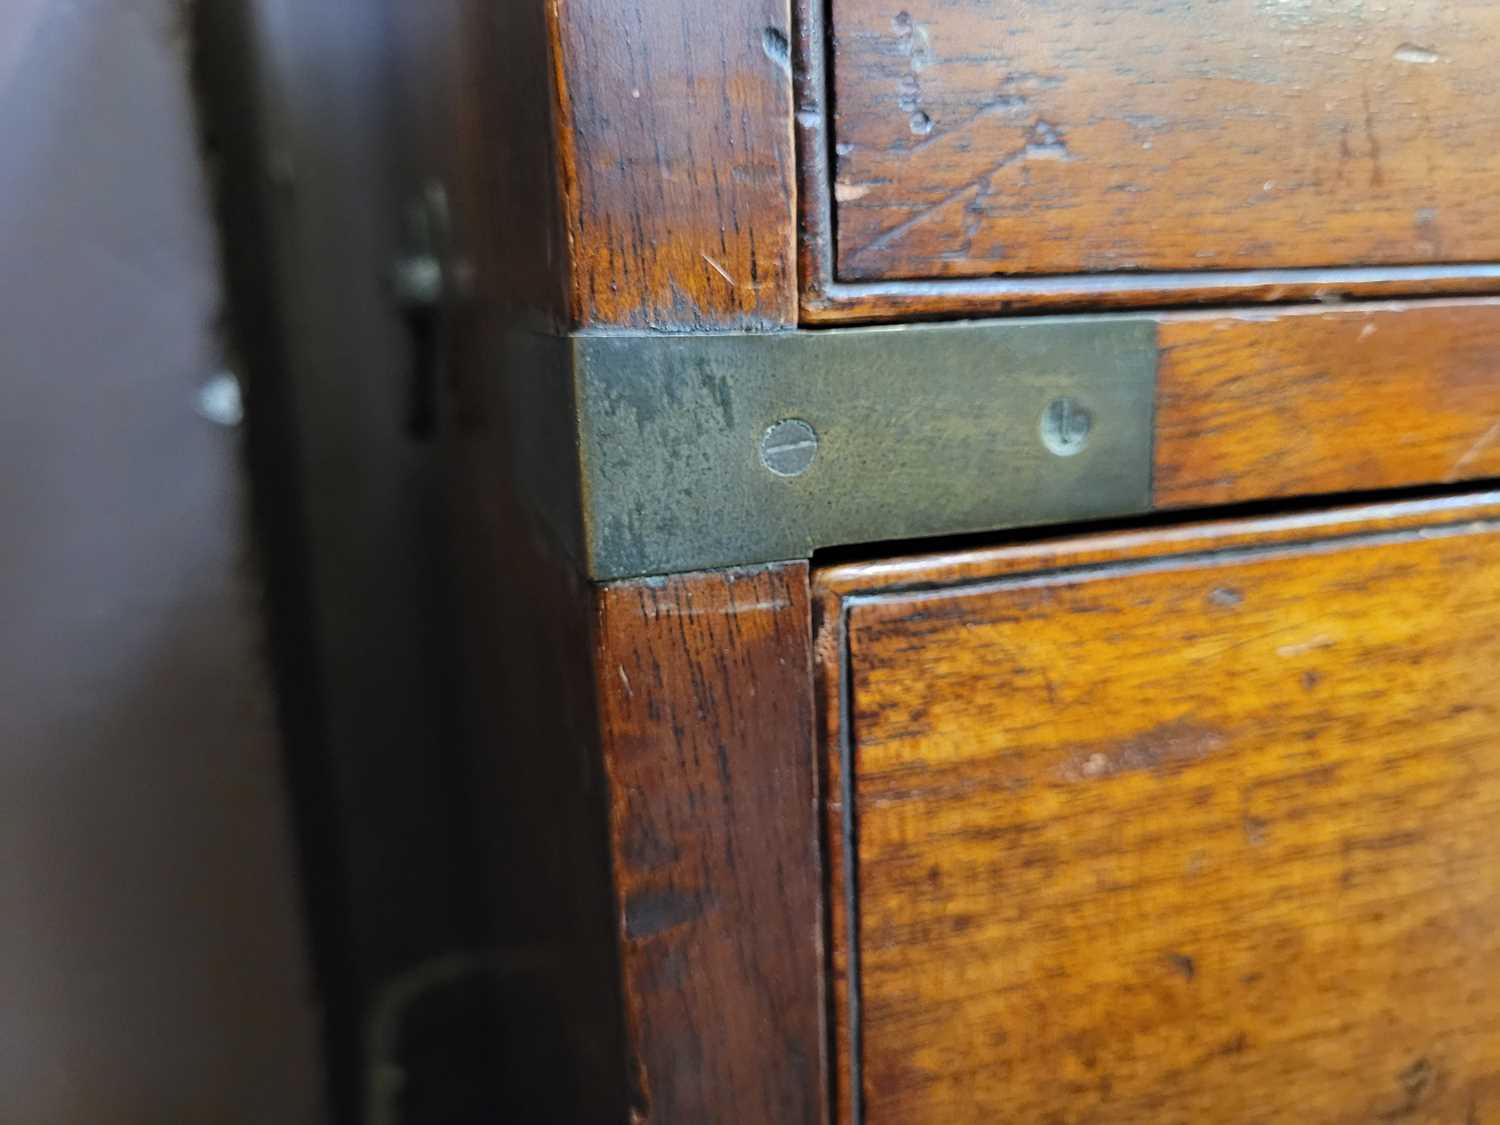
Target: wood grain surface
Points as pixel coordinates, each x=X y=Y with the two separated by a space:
x=1177 y=826
x=640 y=768
x=1036 y=137
x=1318 y=401
x=705 y=687
x=676 y=162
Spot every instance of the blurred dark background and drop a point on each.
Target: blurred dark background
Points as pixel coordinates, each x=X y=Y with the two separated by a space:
x=235 y=878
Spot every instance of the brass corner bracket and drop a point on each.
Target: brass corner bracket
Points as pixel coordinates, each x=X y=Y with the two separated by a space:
x=654 y=454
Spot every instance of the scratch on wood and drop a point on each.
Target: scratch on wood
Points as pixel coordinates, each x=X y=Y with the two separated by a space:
x=1310 y=645
x=847 y=193
x=972 y=187
x=1486 y=439
x=720 y=270
x=1044 y=141
x=730 y=609
x=1169 y=744
x=1419 y=56
x=1377 y=173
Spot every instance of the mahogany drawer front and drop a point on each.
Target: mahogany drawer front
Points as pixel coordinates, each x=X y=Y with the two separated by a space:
x=1037 y=137
x=1171 y=826
x=1315 y=401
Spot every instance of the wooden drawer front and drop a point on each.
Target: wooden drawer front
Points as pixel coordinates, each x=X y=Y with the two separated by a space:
x=1303 y=402
x=1196 y=825
x=1046 y=137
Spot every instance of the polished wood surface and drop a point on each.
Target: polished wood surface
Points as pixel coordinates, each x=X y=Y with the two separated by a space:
x=1036 y=137
x=675 y=162
x=956 y=236
x=1320 y=401
x=1175 y=826
x=705 y=690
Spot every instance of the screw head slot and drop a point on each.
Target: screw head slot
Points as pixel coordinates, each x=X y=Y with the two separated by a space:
x=788 y=447
x=1065 y=427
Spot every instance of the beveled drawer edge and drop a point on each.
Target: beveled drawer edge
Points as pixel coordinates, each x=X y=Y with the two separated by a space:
x=825 y=299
